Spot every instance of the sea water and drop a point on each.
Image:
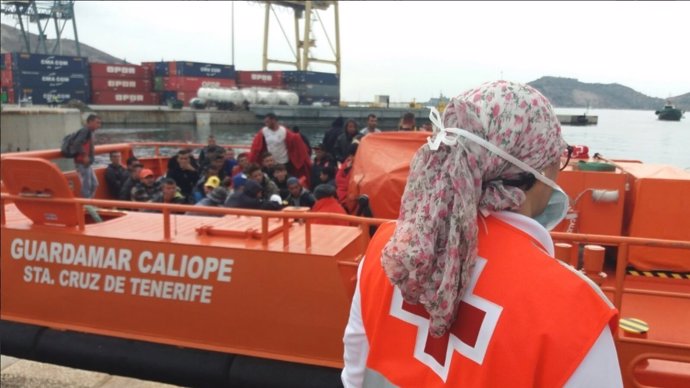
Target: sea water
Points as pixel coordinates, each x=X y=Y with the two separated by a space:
x=619 y=134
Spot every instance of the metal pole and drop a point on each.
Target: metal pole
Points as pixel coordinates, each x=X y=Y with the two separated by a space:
x=306 y=43
x=298 y=56
x=232 y=32
x=268 y=9
x=337 y=38
x=74 y=26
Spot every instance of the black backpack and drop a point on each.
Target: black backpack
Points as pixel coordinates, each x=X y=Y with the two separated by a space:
x=67 y=148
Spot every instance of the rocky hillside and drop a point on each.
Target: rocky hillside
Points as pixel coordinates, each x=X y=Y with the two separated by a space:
x=11 y=40
x=569 y=92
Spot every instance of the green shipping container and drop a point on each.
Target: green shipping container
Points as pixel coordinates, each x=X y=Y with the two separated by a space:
x=158 y=84
x=4 y=98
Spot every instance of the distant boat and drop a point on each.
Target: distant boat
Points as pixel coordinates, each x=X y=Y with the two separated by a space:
x=669 y=113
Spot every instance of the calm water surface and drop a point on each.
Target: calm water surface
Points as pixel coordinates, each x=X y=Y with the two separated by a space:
x=619 y=134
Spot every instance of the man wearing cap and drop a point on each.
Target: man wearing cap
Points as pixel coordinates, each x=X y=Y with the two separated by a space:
x=286 y=146
x=372 y=120
x=299 y=196
x=147 y=187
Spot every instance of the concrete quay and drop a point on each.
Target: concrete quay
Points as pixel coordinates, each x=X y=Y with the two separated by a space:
x=19 y=373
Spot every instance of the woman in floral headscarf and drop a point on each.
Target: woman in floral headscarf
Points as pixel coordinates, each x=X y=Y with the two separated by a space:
x=463 y=289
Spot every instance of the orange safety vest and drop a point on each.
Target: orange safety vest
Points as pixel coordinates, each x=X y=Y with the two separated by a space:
x=524 y=321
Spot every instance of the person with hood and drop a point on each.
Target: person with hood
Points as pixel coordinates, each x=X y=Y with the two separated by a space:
x=299 y=196
x=326 y=202
x=463 y=290
x=349 y=135
x=251 y=197
x=215 y=198
x=332 y=134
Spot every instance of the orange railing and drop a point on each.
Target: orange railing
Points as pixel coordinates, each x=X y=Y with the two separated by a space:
x=634 y=353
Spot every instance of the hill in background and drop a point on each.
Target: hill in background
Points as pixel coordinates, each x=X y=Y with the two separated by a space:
x=11 y=40
x=562 y=92
x=569 y=92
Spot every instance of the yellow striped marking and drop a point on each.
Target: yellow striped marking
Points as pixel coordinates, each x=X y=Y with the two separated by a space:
x=660 y=274
x=633 y=325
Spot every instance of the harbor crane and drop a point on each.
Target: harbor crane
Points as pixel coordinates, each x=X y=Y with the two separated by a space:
x=41 y=13
x=310 y=11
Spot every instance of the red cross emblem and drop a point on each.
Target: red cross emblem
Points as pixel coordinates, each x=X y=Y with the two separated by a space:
x=469 y=336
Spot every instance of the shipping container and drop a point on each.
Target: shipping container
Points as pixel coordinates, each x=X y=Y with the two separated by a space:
x=50 y=96
x=194 y=83
x=312 y=90
x=49 y=63
x=44 y=80
x=5 y=64
x=6 y=79
x=7 y=95
x=124 y=71
x=268 y=79
x=125 y=98
x=192 y=69
x=310 y=77
x=121 y=84
x=325 y=101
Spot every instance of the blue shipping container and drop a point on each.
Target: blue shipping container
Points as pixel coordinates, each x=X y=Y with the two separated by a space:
x=37 y=80
x=161 y=69
x=196 y=69
x=310 y=77
x=49 y=63
x=49 y=96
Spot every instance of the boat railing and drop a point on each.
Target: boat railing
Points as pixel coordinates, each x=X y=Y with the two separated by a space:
x=644 y=349
x=167 y=211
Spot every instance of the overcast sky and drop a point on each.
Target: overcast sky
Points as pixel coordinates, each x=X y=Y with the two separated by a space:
x=415 y=49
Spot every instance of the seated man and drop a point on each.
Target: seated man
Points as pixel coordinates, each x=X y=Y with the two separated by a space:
x=326 y=202
x=280 y=177
x=169 y=193
x=299 y=196
x=215 y=198
x=147 y=187
x=253 y=172
x=251 y=197
x=132 y=179
x=115 y=174
x=184 y=173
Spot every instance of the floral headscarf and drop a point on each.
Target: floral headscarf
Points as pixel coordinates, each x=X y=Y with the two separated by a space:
x=434 y=247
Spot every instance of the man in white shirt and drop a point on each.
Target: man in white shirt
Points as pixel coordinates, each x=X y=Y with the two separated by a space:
x=371 y=125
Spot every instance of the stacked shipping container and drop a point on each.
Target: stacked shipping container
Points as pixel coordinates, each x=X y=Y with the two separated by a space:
x=45 y=79
x=122 y=85
x=313 y=87
x=180 y=80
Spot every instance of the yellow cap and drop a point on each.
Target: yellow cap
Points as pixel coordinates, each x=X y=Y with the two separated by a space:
x=212 y=181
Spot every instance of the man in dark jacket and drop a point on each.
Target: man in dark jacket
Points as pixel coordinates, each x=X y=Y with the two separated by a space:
x=299 y=196
x=342 y=145
x=332 y=135
x=184 y=174
x=251 y=197
x=83 y=146
x=115 y=174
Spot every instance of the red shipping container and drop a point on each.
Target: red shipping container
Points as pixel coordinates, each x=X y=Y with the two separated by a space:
x=268 y=79
x=121 y=84
x=7 y=60
x=123 y=71
x=194 y=83
x=124 y=98
x=6 y=78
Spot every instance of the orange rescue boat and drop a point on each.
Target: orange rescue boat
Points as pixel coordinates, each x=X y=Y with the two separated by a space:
x=260 y=298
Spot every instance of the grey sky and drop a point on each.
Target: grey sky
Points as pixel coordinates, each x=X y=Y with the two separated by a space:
x=415 y=49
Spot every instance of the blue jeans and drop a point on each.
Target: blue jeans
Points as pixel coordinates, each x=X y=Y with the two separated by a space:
x=89 y=183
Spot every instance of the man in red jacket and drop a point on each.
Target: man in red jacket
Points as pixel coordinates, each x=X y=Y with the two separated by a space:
x=286 y=146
